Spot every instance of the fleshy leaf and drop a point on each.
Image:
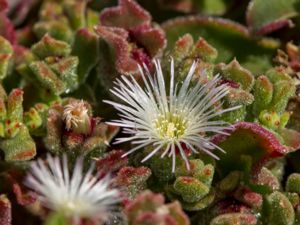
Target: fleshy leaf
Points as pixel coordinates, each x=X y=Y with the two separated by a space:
x=6 y=52
x=280 y=210
x=229 y=38
x=3 y=5
x=291 y=138
x=6 y=28
x=146 y=208
x=91 y=138
x=233 y=71
x=127 y=15
x=293 y=183
x=152 y=38
x=23 y=198
x=47 y=77
x=234 y=219
x=85 y=41
x=49 y=46
x=247 y=139
x=133 y=179
x=16 y=142
x=119 y=47
x=112 y=162
x=21 y=147
x=267 y=16
x=263 y=94
x=5 y=211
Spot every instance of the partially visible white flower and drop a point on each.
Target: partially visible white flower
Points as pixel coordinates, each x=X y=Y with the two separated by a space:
x=169 y=119
x=76 y=195
x=76 y=117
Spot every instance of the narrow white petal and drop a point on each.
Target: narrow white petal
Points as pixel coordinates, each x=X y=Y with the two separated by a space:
x=152 y=116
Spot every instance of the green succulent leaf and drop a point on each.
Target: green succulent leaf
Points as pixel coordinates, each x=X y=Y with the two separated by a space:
x=229 y=38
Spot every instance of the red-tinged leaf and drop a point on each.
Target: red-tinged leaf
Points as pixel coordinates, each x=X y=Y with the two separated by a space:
x=117 y=41
x=133 y=180
x=153 y=200
x=142 y=58
x=276 y=25
x=129 y=175
x=112 y=162
x=231 y=206
x=19 y=54
x=150 y=218
x=291 y=59
x=7 y=28
x=266 y=16
x=235 y=218
x=232 y=40
x=19 y=148
x=247 y=139
x=20 y=10
x=3 y=5
x=177 y=213
x=291 y=138
x=250 y=198
x=153 y=39
x=24 y=198
x=146 y=207
x=127 y=15
x=5 y=211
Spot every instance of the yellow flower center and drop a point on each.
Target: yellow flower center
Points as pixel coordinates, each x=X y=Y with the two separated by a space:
x=170 y=125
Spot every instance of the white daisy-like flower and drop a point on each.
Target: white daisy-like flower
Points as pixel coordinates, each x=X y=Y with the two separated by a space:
x=76 y=117
x=76 y=195
x=173 y=118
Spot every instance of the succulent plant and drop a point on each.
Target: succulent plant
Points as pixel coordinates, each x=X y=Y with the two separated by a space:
x=16 y=142
x=72 y=128
x=149 y=208
x=205 y=95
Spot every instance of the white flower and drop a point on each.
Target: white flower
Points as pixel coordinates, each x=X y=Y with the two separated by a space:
x=167 y=120
x=76 y=117
x=76 y=195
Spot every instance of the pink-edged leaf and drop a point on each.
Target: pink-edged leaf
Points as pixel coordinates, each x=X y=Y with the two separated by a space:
x=276 y=25
x=153 y=39
x=149 y=218
x=112 y=162
x=3 y=5
x=267 y=16
x=117 y=41
x=131 y=175
x=231 y=206
x=20 y=53
x=127 y=14
x=141 y=57
x=145 y=208
x=291 y=138
x=247 y=139
x=235 y=218
x=133 y=180
x=24 y=198
x=5 y=211
x=248 y=197
x=7 y=28
x=250 y=54
x=147 y=201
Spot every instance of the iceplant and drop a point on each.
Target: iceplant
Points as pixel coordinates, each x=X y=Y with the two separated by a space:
x=173 y=118
x=76 y=117
x=77 y=194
